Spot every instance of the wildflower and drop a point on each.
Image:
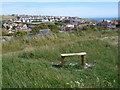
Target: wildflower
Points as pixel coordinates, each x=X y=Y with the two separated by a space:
x=78 y=83
x=67 y=83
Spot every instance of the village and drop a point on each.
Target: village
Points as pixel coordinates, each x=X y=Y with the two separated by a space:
x=26 y=23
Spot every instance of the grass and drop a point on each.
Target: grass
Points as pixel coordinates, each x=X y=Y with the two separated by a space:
x=27 y=61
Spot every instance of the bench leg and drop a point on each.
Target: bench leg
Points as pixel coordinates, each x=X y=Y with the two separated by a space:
x=83 y=60
x=62 y=61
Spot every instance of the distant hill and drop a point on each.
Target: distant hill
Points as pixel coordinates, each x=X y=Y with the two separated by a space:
x=6 y=17
x=89 y=20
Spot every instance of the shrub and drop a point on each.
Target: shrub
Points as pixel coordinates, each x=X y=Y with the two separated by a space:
x=35 y=30
x=20 y=33
x=54 y=28
x=6 y=34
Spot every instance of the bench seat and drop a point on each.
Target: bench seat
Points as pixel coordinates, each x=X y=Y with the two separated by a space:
x=73 y=54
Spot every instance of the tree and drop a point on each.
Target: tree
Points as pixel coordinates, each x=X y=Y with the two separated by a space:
x=7 y=27
x=14 y=27
x=18 y=17
x=118 y=25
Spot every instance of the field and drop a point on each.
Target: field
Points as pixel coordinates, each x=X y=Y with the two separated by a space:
x=35 y=62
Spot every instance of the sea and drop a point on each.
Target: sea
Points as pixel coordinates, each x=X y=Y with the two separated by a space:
x=98 y=19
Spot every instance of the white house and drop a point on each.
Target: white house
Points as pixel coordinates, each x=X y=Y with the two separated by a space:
x=10 y=27
x=70 y=25
x=111 y=26
x=25 y=26
x=10 y=32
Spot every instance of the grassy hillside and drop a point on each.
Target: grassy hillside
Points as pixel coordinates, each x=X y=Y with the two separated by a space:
x=89 y=20
x=34 y=62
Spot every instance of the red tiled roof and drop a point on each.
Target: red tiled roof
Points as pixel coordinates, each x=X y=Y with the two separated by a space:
x=21 y=25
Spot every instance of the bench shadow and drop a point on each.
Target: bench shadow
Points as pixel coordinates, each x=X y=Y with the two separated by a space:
x=66 y=66
x=56 y=66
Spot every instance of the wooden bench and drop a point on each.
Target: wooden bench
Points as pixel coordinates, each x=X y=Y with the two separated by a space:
x=82 y=54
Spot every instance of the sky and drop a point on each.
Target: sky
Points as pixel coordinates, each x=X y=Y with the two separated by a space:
x=59 y=0
x=79 y=9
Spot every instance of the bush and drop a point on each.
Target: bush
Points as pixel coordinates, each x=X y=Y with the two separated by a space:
x=9 y=34
x=54 y=28
x=3 y=33
x=6 y=34
x=85 y=28
x=20 y=33
x=59 y=23
x=35 y=30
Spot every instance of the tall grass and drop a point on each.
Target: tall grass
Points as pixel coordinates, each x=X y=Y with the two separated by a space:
x=29 y=64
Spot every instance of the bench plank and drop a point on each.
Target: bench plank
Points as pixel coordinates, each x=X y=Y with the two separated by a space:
x=72 y=54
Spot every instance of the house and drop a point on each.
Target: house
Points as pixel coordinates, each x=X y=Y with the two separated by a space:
x=24 y=26
x=26 y=30
x=32 y=26
x=61 y=31
x=45 y=31
x=10 y=27
x=115 y=22
x=14 y=24
x=66 y=21
x=10 y=32
x=82 y=25
x=103 y=23
x=111 y=26
x=70 y=25
x=17 y=21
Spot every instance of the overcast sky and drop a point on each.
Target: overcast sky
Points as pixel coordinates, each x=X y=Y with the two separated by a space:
x=80 y=9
